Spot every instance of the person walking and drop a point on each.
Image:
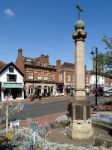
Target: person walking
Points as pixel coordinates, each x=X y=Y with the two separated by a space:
x=40 y=96
x=87 y=91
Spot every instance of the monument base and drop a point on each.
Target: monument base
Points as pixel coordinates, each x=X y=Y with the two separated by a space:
x=81 y=126
x=80 y=129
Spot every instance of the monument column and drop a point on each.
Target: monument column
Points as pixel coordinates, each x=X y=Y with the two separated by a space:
x=80 y=127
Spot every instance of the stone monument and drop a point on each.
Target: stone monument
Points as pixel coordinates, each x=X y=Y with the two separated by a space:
x=81 y=126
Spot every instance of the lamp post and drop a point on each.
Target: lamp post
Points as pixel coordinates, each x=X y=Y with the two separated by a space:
x=33 y=79
x=94 y=53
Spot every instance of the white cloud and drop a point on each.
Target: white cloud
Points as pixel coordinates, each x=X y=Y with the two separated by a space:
x=8 y=12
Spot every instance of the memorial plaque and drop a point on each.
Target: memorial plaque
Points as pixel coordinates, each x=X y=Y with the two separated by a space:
x=79 y=112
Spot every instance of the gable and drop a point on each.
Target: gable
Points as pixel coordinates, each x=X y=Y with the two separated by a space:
x=8 y=65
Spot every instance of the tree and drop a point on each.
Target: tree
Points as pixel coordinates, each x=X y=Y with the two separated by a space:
x=108 y=41
x=9 y=108
x=100 y=62
x=108 y=61
x=104 y=60
x=108 y=55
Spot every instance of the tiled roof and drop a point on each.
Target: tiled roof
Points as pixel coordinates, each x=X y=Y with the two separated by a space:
x=10 y=64
x=2 y=64
x=34 y=59
x=26 y=58
x=68 y=65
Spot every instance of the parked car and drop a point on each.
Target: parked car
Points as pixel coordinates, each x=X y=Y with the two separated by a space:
x=107 y=93
x=59 y=94
x=99 y=91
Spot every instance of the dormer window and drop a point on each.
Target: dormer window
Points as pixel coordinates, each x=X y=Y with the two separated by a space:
x=11 y=69
x=30 y=62
x=45 y=64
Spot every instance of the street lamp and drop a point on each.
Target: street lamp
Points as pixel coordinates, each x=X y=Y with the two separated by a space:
x=33 y=80
x=94 y=54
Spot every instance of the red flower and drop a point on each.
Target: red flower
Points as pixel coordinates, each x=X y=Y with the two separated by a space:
x=2 y=88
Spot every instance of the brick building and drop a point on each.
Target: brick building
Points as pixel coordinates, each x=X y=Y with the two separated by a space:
x=65 y=73
x=65 y=76
x=39 y=75
x=42 y=78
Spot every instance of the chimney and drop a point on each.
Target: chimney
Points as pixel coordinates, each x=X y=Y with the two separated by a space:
x=20 y=50
x=58 y=63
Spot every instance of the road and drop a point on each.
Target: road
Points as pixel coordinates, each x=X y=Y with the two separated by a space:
x=35 y=109
x=48 y=106
x=39 y=109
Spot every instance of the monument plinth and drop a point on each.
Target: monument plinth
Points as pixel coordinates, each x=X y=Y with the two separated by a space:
x=80 y=127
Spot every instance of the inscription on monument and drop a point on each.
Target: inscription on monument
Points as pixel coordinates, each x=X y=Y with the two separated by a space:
x=79 y=112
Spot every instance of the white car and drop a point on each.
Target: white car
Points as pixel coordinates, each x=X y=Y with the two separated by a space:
x=107 y=93
x=59 y=94
x=56 y=94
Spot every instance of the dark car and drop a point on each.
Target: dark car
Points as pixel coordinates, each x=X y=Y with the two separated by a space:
x=99 y=91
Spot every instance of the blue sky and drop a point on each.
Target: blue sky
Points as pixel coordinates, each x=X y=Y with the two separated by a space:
x=46 y=27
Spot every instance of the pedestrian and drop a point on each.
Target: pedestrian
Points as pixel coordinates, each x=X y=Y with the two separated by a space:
x=70 y=109
x=87 y=91
x=40 y=96
x=52 y=94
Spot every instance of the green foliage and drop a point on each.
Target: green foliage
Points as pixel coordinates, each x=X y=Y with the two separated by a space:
x=108 y=61
x=108 y=55
x=108 y=41
x=100 y=57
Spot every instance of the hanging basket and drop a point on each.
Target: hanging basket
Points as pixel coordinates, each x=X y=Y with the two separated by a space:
x=2 y=89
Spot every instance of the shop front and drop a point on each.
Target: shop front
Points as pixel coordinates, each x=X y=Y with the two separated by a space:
x=42 y=89
x=12 y=91
x=11 y=83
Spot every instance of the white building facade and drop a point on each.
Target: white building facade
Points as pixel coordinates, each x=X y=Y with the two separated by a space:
x=100 y=80
x=11 y=83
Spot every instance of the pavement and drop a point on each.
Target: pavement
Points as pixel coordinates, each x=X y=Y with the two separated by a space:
x=50 y=99
x=41 y=119
x=42 y=100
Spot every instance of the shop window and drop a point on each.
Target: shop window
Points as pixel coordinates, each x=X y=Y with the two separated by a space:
x=11 y=69
x=30 y=91
x=11 y=78
x=19 y=93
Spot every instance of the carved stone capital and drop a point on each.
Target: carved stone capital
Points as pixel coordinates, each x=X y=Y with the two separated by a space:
x=79 y=35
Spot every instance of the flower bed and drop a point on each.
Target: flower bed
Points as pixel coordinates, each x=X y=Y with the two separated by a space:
x=35 y=135
x=103 y=117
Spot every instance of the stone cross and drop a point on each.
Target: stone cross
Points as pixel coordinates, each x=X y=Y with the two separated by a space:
x=79 y=10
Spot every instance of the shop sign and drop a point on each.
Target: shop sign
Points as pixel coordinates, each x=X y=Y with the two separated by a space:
x=13 y=85
x=14 y=124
